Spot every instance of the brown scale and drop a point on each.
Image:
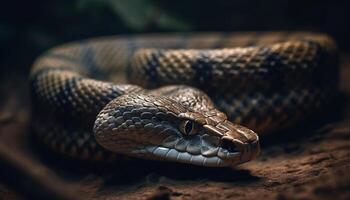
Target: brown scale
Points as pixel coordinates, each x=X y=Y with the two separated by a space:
x=265 y=81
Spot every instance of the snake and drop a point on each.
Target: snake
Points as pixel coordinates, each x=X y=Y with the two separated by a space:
x=191 y=98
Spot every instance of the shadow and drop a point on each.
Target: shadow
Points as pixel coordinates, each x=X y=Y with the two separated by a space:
x=132 y=170
x=155 y=170
x=308 y=129
x=297 y=140
x=135 y=171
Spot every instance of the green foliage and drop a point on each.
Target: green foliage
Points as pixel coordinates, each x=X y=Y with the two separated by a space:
x=138 y=15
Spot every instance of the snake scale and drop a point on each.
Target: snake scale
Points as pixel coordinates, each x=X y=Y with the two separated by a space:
x=180 y=97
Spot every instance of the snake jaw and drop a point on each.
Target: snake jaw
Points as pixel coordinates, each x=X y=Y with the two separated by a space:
x=210 y=147
x=210 y=157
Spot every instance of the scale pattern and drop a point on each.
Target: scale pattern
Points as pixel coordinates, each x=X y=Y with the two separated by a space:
x=264 y=81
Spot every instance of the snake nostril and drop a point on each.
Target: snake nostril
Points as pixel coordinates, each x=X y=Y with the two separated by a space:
x=228 y=144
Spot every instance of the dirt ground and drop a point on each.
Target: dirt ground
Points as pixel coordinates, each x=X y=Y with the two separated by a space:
x=309 y=162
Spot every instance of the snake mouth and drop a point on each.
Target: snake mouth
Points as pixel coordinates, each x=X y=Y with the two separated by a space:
x=220 y=156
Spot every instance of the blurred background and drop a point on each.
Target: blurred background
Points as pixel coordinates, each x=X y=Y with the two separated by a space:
x=27 y=28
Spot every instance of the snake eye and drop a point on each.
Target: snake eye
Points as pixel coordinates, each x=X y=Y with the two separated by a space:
x=188 y=127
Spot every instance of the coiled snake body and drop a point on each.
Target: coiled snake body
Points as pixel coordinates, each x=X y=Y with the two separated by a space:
x=83 y=107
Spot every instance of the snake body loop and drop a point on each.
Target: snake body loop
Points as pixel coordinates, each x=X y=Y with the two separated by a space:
x=180 y=97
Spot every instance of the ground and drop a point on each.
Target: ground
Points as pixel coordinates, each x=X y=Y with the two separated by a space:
x=308 y=162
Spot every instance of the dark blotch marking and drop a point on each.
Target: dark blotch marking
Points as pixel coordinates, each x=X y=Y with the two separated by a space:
x=203 y=69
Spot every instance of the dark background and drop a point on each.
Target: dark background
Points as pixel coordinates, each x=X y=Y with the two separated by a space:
x=307 y=163
x=27 y=28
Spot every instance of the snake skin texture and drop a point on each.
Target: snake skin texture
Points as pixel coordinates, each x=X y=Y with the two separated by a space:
x=180 y=97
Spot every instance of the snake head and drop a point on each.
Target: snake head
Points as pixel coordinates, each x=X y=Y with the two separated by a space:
x=159 y=128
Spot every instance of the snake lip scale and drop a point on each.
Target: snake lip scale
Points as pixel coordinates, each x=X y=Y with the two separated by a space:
x=179 y=97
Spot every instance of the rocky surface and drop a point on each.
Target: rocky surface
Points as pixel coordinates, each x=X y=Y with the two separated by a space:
x=308 y=162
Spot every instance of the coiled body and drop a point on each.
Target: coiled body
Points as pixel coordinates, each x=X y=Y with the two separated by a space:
x=263 y=81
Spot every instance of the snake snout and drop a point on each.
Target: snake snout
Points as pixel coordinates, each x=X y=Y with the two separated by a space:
x=249 y=149
x=239 y=139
